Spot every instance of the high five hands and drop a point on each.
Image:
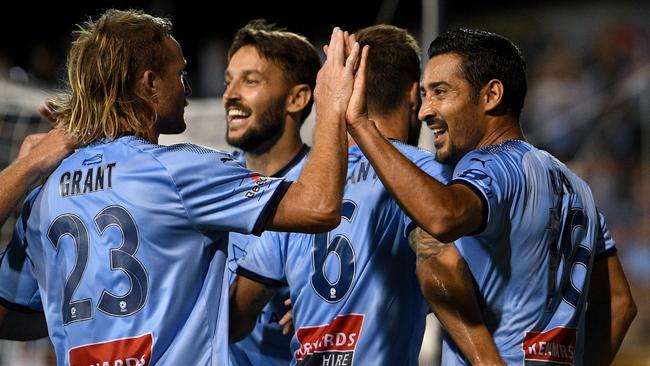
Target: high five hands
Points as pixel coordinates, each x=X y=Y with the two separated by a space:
x=340 y=85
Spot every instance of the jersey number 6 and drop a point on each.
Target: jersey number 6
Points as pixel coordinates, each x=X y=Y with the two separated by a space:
x=334 y=289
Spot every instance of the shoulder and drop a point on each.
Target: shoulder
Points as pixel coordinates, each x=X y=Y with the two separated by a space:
x=505 y=157
x=425 y=160
x=187 y=156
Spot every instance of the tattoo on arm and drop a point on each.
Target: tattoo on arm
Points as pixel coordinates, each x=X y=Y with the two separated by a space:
x=424 y=245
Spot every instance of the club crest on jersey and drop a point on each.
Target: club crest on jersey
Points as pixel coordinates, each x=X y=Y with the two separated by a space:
x=555 y=347
x=134 y=351
x=330 y=344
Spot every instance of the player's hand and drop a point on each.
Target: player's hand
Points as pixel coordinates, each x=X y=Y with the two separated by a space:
x=42 y=152
x=47 y=111
x=287 y=320
x=358 y=108
x=335 y=79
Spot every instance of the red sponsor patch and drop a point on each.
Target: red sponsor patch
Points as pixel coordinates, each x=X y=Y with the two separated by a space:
x=120 y=352
x=340 y=335
x=556 y=345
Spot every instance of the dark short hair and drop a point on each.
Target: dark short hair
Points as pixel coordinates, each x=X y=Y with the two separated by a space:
x=487 y=56
x=393 y=65
x=292 y=52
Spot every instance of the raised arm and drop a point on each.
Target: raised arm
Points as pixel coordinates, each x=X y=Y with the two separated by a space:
x=456 y=208
x=313 y=202
x=39 y=155
x=446 y=283
x=247 y=298
x=610 y=311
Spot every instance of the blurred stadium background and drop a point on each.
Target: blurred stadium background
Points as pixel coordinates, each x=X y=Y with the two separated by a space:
x=588 y=101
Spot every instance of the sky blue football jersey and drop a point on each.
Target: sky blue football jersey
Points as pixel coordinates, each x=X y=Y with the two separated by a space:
x=533 y=255
x=266 y=345
x=355 y=295
x=124 y=248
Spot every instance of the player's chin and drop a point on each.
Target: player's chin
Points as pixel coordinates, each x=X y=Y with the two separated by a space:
x=442 y=155
x=173 y=128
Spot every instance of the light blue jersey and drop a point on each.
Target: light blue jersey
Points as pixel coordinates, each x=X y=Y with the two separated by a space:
x=532 y=257
x=356 y=299
x=266 y=345
x=124 y=248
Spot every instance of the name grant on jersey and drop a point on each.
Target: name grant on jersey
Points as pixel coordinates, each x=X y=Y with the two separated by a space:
x=82 y=181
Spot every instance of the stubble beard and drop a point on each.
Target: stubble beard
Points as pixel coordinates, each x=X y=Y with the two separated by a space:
x=263 y=133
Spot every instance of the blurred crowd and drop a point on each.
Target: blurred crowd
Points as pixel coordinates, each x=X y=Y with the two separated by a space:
x=588 y=104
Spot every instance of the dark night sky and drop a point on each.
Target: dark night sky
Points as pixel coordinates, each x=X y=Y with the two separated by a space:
x=24 y=24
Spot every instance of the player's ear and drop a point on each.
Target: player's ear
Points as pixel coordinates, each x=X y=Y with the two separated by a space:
x=150 y=84
x=414 y=97
x=298 y=98
x=492 y=95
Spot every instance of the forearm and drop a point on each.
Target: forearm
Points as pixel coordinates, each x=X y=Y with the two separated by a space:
x=610 y=311
x=16 y=326
x=454 y=215
x=247 y=298
x=14 y=182
x=313 y=202
x=240 y=324
x=447 y=285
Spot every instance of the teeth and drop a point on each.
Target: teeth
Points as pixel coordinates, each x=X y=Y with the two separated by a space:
x=438 y=131
x=237 y=113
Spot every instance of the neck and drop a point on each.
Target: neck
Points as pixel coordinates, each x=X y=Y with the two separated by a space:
x=278 y=156
x=392 y=126
x=501 y=129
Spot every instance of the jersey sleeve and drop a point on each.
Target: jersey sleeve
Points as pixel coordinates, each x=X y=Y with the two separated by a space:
x=265 y=258
x=605 y=244
x=491 y=179
x=18 y=286
x=219 y=193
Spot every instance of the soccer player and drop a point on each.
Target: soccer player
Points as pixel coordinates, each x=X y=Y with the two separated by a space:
x=124 y=246
x=354 y=291
x=527 y=226
x=270 y=80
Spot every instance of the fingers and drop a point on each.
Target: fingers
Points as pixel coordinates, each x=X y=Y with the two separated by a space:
x=352 y=39
x=360 y=76
x=346 y=42
x=335 y=48
x=351 y=62
x=341 y=48
x=47 y=111
x=29 y=143
x=287 y=322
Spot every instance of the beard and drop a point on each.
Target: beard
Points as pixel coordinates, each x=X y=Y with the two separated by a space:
x=264 y=131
